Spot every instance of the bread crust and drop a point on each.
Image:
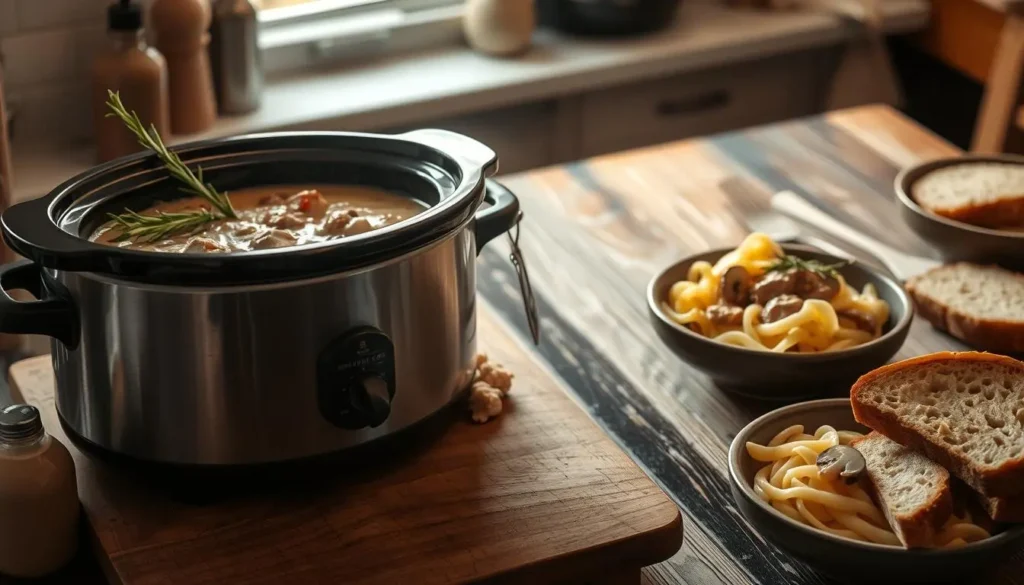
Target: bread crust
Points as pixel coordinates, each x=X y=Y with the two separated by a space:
x=917 y=530
x=987 y=334
x=1008 y=211
x=1006 y=510
x=1004 y=481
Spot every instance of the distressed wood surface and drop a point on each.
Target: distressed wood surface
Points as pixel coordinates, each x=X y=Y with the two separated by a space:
x=598 y=230
x=595 y=233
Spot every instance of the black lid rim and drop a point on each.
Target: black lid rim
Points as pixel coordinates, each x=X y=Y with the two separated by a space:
x=45 y=230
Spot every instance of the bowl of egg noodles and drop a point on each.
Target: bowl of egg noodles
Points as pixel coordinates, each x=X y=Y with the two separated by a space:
x=835 y=525
x=778 y=321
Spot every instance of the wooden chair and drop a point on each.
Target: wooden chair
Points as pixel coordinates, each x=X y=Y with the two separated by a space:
x=1000 y=105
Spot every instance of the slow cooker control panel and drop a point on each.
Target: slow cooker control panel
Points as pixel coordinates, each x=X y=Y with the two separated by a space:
x=356 y=379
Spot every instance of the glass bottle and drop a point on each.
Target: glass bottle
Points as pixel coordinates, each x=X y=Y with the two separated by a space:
x=39 y=508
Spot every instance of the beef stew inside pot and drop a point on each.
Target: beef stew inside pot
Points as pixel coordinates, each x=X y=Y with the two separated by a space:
x=275 y=217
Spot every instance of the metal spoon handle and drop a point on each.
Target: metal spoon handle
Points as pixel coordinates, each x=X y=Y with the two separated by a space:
x=902 y=265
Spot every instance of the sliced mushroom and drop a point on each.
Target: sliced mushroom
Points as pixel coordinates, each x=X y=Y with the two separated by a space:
x=781 y=307
x=358 y=225
x=273 y=238
x=201 y=244
x=862 y=320
x=814 y=285
x=735 y=286
x=725 y=315
x=841 y=462
x=278 y=218
x=242 y=229
x=774 y=284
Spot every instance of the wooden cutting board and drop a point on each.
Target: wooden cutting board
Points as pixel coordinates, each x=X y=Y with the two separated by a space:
x=538 y=496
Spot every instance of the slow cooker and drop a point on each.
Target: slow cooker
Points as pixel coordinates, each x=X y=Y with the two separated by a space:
x=266 y=356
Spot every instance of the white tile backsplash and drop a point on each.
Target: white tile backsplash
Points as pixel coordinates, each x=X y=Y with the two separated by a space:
x=48 y=47
x=41 y=57
x=57 y=114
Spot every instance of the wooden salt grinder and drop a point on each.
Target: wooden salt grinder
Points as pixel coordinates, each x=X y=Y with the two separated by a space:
x=181 y=30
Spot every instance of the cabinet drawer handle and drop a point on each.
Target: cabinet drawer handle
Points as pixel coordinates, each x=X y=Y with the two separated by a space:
x=693 y=104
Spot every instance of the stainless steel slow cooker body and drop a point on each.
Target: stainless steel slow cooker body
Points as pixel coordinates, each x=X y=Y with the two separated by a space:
x=247 y=359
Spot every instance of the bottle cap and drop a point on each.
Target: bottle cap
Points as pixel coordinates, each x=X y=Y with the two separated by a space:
x=125 y=15
x=19 y=421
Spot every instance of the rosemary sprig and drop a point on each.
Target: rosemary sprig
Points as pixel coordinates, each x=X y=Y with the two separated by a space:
x=787 y=262
x=150 y=228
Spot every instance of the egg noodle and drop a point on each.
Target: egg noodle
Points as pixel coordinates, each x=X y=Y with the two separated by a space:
x=790 y=483
x=815 y=327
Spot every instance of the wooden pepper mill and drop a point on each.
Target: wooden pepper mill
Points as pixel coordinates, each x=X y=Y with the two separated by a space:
x=181 y=30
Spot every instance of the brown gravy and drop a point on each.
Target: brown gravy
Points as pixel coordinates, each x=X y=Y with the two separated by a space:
x=277 y=217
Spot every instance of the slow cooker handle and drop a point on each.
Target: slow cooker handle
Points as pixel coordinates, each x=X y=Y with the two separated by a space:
x=51 y=314
x=475 y=156
x=499 y=218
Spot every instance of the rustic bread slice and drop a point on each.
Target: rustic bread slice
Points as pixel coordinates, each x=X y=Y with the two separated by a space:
x=914 y=492
x=964 y=410
x=989 y=194
x=1007 y=510
x=981 y=305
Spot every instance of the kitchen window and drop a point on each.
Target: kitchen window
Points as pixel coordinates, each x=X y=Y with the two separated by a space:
x=296 y=34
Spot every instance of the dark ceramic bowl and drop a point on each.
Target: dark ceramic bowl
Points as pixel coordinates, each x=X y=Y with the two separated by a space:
x=782 y=376
x=956 y=240
x=839 y=557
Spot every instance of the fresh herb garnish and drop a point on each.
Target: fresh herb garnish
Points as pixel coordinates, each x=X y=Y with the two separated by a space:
x=786 y=263
x=150 y=228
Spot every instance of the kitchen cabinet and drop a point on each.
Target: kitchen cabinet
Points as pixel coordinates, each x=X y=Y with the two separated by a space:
x=649 y=112
x=522 y=136
x=703 y=102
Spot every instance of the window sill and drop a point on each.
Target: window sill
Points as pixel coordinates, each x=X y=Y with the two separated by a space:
x=405 y=90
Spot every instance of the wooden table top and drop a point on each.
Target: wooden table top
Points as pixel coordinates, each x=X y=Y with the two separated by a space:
x=595 y=233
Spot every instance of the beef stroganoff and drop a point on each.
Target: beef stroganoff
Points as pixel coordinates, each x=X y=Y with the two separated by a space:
x=273 y=217
x=758 y=297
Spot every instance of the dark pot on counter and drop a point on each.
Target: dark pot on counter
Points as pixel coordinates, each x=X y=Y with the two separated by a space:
x=606 y=17
x=265 y=356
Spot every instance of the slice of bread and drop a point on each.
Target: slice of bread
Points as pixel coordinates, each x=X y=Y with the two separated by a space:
x=981 y=305
x=1007 y=510
x=914 y=492
x=964 y=410
x=988 y=194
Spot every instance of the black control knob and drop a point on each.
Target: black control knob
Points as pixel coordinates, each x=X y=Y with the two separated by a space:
x=356 y=379
x=371 y=400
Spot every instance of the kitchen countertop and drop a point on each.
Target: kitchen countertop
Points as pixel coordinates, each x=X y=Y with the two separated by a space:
x=408 y=89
